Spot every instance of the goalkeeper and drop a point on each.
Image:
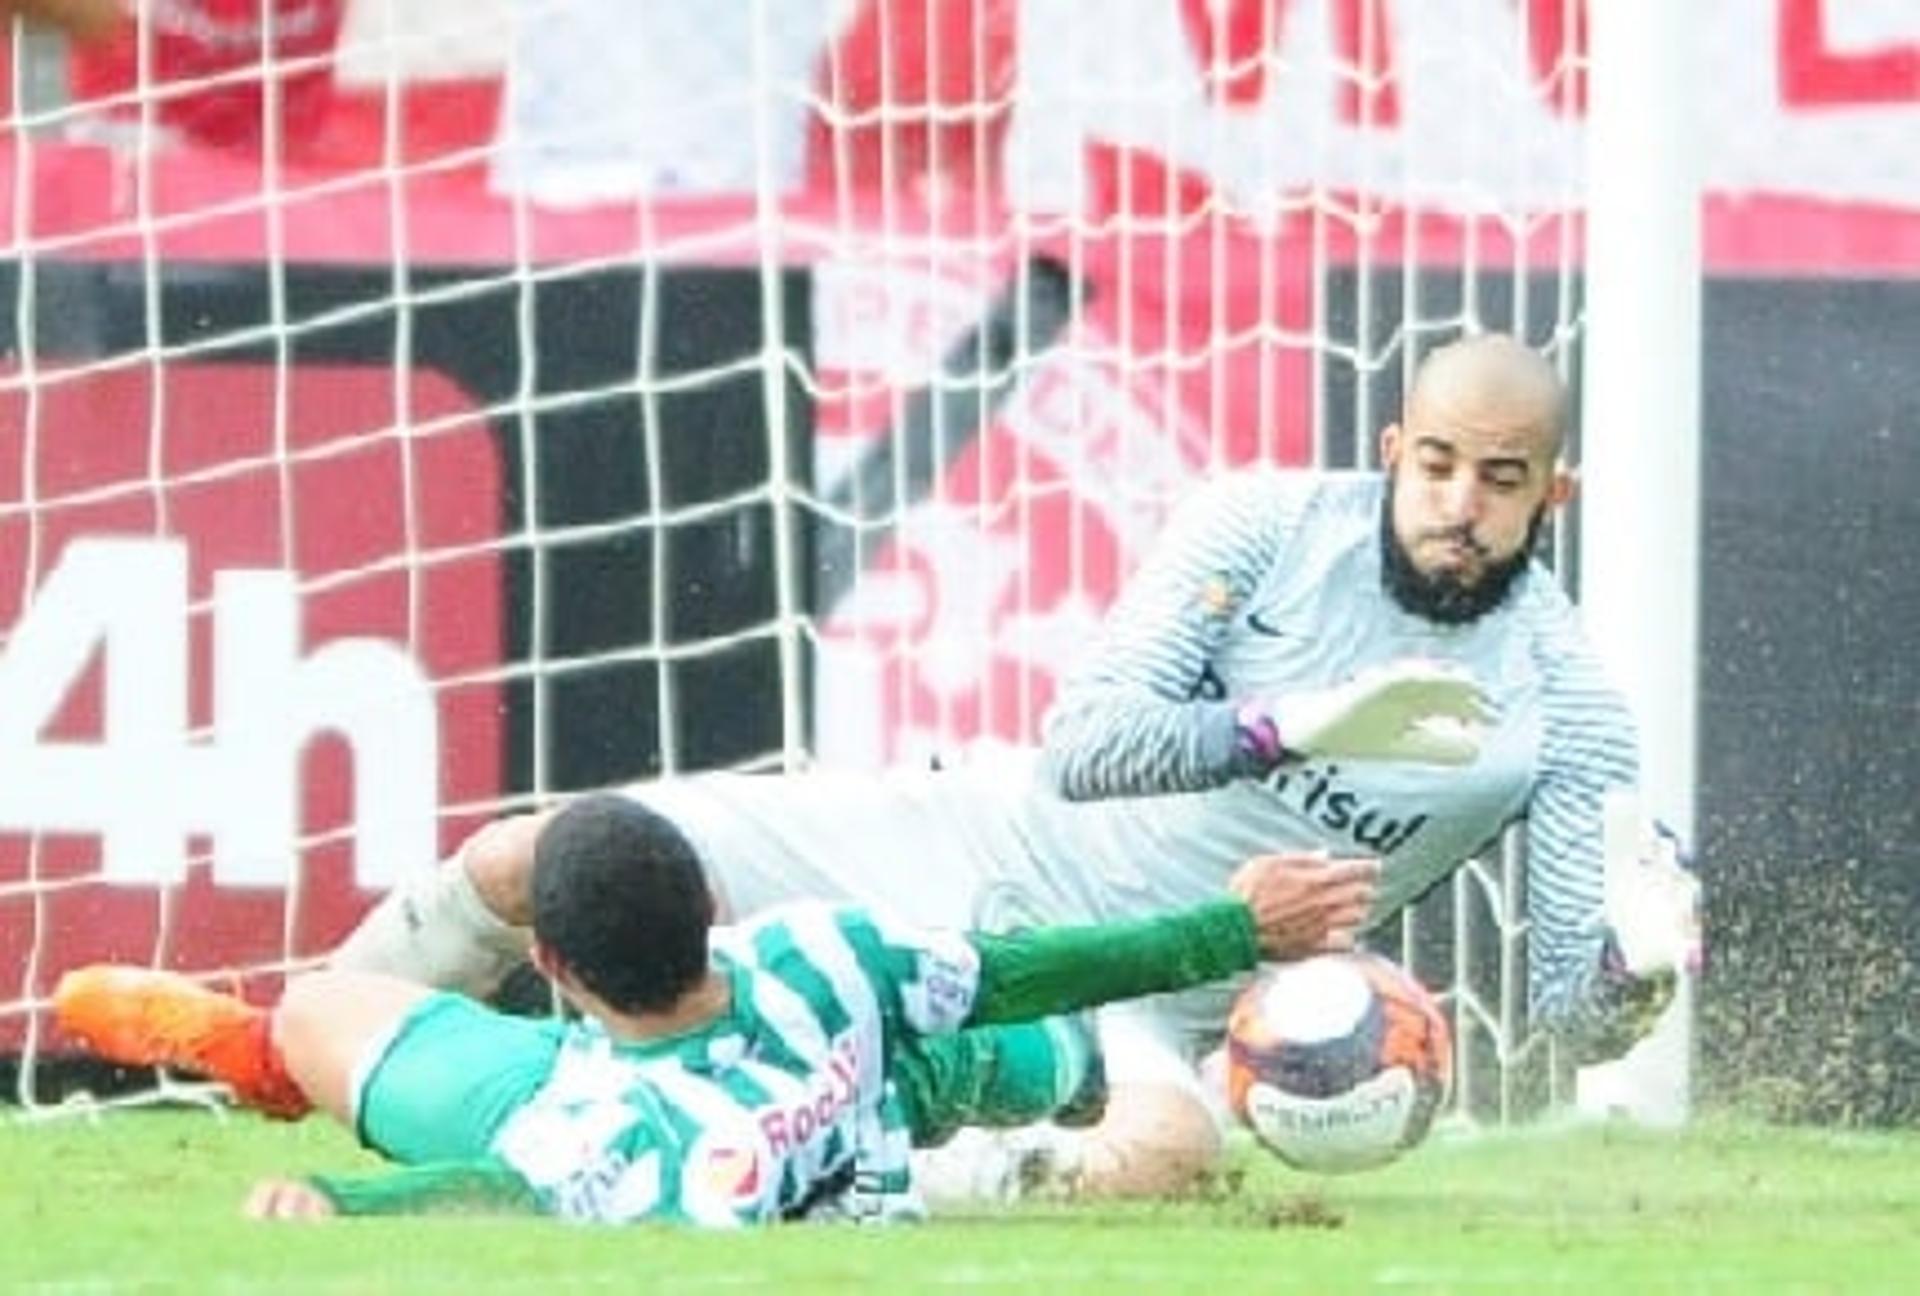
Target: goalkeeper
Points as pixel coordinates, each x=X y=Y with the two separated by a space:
x=1310 y=664
x=781 y=1070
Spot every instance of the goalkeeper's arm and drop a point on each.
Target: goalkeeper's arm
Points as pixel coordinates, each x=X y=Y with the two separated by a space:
x=1128 y=721
x=1650 y=934
x=1613 y=920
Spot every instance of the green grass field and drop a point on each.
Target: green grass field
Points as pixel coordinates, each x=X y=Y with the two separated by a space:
x=148 y=1202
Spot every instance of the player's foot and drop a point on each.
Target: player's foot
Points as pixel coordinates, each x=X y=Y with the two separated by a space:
x=145 y=1017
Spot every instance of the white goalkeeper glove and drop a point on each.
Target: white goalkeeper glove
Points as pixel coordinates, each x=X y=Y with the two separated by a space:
x=1652 y=899
x=1409 y=710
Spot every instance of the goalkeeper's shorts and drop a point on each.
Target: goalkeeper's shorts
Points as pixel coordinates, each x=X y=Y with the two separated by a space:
x=918 y=844
x=452 y=1071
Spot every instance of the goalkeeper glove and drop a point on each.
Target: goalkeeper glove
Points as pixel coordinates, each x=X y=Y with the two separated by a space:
x=1630 y=1006
x=1411 y=710
x=1650 y=928
x=1652 y=898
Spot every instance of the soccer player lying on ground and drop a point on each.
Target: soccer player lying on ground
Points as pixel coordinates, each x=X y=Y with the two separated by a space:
x=1308 y=664
x=782 y=1072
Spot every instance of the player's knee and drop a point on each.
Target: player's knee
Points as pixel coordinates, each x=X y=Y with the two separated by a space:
x=1153 y=1141
x=499 y=861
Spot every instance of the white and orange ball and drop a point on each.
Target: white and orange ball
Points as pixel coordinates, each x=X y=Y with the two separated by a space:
x=1337 y=1062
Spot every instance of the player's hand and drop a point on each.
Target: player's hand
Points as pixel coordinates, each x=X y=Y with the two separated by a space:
x=287 y=1199
x=1652 y=899
x=1305 y=903
x=1408 y=710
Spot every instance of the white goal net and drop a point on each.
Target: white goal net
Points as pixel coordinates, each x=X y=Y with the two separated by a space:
x=412 y=410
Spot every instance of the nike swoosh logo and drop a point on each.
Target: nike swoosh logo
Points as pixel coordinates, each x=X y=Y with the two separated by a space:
x=1260 y=625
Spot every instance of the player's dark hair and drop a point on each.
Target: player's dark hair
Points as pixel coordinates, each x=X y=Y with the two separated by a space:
x=620 y=900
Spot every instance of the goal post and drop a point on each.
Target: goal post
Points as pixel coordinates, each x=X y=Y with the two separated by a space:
x=1640 y=521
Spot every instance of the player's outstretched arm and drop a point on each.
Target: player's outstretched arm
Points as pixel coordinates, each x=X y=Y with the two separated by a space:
x=1283 y=907
x=463 y=1188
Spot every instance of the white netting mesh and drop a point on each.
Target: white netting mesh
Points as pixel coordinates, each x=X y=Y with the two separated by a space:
x=608 y=387
x=617 y=387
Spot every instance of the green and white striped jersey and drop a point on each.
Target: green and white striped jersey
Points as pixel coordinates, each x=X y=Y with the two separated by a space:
x=780 y=1108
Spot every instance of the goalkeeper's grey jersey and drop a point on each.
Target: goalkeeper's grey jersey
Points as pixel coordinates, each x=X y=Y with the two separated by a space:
x=1263 y=583
x=1268 y=583
x=778 y=1109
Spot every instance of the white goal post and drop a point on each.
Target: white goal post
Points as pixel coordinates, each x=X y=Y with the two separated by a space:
x=514 y=398
x=1639 y=581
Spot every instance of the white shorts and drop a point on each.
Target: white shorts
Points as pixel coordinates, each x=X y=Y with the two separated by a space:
x=923 y=845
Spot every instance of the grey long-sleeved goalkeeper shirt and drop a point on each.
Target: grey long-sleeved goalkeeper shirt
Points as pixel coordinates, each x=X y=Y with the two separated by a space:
x=1266 y=583
x=1263 y=583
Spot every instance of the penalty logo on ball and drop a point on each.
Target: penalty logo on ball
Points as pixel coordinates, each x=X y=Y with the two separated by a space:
x=1362 y=1128
x=1337 y=1063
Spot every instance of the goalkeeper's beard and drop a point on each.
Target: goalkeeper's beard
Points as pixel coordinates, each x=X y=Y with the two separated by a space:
x=1442 y=596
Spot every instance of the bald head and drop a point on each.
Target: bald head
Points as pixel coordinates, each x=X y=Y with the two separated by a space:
x=1492 y=380
x=1472 y=476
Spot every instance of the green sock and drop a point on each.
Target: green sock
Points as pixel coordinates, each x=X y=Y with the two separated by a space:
x=992 y=1075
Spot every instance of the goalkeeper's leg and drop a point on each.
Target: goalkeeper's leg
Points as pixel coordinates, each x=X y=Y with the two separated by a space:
x=1155 y=1140
x=1161 y=1133
x=460 y=925
x=916 y=845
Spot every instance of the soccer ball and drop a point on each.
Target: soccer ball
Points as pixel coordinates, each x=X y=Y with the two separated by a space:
x=1337 y=1062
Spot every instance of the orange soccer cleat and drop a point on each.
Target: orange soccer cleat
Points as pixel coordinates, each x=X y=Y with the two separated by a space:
x=145 y=1017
